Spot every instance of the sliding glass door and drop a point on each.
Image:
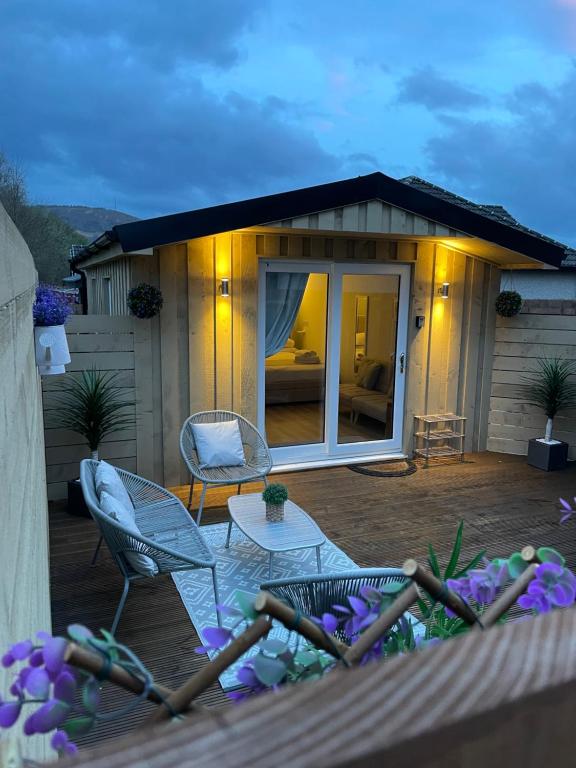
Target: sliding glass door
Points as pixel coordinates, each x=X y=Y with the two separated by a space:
x=332 y=357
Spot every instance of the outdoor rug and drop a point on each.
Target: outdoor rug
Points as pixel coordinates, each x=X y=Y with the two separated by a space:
x=243 y=567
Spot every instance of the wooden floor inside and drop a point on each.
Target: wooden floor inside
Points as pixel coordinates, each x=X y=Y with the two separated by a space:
x=377 y=521
x=303 y=424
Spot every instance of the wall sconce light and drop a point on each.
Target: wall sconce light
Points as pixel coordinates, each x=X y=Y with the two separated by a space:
x=225 y=287
x=444 y=290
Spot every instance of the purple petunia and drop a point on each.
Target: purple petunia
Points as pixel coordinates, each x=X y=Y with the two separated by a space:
x=62 y=744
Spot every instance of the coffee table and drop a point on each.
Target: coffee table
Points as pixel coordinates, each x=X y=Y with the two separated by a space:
x=296 y=531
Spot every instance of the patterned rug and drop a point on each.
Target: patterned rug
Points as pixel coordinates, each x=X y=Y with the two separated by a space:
x=243 y=567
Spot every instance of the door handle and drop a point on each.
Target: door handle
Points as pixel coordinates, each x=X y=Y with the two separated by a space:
x=402 y=361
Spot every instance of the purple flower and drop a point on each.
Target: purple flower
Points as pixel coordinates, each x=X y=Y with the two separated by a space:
x=37 y=683
x=216 y=637
x=329 y=623
x=65 y=687
x=569 y=511
x=51 y=307
x=54 y=650
x=22 y=650
x=36 y=658
x=552 y=587
x=62 y=744
x=9 y=713
x=49 y=716
x=7 y=660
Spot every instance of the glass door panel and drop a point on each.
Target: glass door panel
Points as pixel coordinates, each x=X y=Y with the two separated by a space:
x=368 y=339
x=295 y=343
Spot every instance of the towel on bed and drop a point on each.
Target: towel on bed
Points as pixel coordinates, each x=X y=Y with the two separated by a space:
x=307 y=356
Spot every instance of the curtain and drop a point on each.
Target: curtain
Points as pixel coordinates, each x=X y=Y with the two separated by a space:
x=284 y=292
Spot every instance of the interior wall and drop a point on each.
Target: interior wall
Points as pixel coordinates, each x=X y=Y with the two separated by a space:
x=448 y=360
x=24 y=585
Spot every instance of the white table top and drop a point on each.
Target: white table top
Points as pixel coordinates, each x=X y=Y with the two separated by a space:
x=296 y=531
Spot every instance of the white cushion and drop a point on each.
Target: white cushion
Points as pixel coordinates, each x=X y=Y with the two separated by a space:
x=107 y=479
x=117 y=511
x=219 y=444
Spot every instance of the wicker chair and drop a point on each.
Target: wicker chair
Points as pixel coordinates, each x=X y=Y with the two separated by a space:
x=258 y=460
x=315 y=595
x=169 y=535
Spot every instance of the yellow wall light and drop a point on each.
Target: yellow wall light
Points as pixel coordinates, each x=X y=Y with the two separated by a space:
x=444 y=290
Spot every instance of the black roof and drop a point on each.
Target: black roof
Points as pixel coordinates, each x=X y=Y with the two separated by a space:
x=448 y=211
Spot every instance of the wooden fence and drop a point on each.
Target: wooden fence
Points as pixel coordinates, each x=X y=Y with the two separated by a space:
x=542 y=329
x=107 y=343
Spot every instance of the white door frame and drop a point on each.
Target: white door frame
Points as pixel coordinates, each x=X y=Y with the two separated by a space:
x=329 y=451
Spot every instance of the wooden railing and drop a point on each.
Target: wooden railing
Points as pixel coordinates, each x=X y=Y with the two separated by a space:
x=506 y=696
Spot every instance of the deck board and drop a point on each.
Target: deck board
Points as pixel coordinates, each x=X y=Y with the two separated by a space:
x=376 y=521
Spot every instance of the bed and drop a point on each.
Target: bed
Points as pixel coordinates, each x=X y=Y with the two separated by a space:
x=291 y=380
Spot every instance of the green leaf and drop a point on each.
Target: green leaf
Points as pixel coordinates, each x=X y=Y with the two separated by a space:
x=433 y=562
x=272 y=646
x=549 y=555
x=269 y=671
x=78 y=726
x=471 y=565
x=455 y=556
x=516 y=565
x=246 y=604
x=306 y=658
x=392 y=587
x=91 y=695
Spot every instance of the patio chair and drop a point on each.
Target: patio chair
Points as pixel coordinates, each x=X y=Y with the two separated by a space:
x=258 y=460
x=169 y=535
x=316 y=594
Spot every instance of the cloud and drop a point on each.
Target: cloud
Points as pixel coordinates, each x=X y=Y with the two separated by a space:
x=432 y=90
x=104 y=122
x=524 y=160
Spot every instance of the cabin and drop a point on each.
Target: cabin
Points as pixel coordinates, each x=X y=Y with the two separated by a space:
x=330 y=316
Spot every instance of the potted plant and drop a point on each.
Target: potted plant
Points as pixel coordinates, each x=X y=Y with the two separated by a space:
x=145 y=301
x=91 y=406
x=275 y=496
x=508 y=303
x=50 y=311
x=550 y=389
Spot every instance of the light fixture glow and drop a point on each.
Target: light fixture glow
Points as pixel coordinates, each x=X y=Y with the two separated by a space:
x=225 y=287
x=444 y=290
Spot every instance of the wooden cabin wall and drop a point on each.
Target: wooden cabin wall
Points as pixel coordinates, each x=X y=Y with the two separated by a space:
x=448 y=360
x=108 y=285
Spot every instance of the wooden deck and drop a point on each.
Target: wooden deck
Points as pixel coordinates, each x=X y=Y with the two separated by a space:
x=376 y=521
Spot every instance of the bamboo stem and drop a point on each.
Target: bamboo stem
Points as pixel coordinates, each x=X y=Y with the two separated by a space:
x=265 y=603
x=79 y=657
x=375 y=631
x=438 y=591
x=179 y=700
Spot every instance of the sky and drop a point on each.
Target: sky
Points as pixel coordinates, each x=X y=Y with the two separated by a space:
x=158 y=106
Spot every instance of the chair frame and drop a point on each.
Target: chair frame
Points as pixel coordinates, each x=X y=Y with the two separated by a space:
x=148 y=499
x=258 y=457
x=316 y=594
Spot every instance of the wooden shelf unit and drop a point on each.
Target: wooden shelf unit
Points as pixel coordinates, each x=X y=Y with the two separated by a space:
x=439 y=435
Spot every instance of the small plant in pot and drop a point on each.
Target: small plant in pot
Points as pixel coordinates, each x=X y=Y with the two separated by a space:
x=550 y=388
x=50 y=311
x=92 y=405
x=275 y=496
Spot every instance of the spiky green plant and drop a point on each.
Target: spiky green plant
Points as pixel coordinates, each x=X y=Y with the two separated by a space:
x=92 y=406
x=549 y=387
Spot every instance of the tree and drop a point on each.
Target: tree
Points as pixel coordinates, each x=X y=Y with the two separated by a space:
x=47 y=236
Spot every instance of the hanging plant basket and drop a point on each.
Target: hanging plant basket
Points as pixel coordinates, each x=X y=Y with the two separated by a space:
x=145 y=301
x=508 y=303
x=50 y=311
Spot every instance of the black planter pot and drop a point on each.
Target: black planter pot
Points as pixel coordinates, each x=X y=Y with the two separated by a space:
x=76 y=504
x=547 y=456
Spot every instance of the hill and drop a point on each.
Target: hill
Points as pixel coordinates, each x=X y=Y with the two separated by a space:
x=88 y=222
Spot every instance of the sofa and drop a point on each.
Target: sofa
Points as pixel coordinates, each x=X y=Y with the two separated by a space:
x=371 y=392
